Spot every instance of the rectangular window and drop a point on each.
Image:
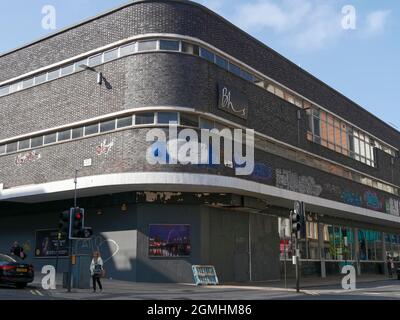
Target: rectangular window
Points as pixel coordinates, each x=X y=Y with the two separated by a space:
x=124 y=122
x=356 y=148
x=96 y=60
x=271 y=88
x=111 y=55
x=15 y=87
x=206 y=124
x=91 y=129
x=344 y=142
x=170 y=45
x=279 y=93
x=79 y=64
x=223 y=63
x=147 y=45
x=27 y=83
x=289 y=98
x=235 y=69
x=324 y=128
x=190 y=48
x=204 y=53
x=260 y=83
x=331 y=132
x=126 y=50
x=52 y=75
x=247 y=76
x=4 y=90
x=309 y=120
x=107 y=126
x=167 y=117
x=189 y=120
x=144 y=118
x=41 y=78
x=77 y=133
x=67 y=70
x=12 y=147
x=50 y=138
x=24 y=144
x=3 y=149
x=298 y=102
x=64 y=135
x=37 y=142
x=316 y=126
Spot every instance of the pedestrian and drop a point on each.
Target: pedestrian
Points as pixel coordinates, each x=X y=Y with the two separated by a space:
x=96 y=270
x=17 y=250
x=390 y=266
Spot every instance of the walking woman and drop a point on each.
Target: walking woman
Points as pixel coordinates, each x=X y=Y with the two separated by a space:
x=96 y=270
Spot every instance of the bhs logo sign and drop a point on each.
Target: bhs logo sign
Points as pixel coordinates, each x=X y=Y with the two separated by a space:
x=233 y=101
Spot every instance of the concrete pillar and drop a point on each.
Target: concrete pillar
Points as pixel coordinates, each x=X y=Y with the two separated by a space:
x=357 y=252
x=321 y=249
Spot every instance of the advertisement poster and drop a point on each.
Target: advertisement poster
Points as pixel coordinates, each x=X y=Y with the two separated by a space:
x=167 y=240
x=46 y=244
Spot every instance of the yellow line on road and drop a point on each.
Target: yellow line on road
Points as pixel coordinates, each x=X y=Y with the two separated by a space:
x=39 y=293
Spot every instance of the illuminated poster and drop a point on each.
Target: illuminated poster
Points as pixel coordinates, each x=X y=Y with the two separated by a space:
x=169 y=240
x=47 y=243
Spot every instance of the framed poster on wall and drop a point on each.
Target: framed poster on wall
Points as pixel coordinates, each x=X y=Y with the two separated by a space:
x=169 y=240
x=46 y=244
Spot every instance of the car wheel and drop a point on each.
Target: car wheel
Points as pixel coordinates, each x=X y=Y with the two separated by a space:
x=21 y=285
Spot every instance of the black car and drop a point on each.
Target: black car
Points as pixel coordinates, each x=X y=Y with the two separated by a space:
x=14 y=271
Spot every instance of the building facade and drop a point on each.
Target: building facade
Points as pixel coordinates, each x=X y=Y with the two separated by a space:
x=170 y=61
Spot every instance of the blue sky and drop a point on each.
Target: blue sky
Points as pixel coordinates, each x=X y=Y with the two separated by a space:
x=362 y=63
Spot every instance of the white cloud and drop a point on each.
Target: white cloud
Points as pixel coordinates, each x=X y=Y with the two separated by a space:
x=304 y=25
x=376 y=22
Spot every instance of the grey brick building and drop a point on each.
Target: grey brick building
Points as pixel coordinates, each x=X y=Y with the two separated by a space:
x=163 y=61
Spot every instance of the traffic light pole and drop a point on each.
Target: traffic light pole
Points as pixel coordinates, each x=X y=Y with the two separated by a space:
x=70 y=240
x=297 y=265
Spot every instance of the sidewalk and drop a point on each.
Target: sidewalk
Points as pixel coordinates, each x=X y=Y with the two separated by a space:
x=116 y=289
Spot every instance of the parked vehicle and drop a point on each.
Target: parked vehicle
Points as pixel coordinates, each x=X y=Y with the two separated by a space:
x=14 y=271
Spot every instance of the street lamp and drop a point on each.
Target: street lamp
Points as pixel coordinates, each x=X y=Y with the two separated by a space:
x=99 y=74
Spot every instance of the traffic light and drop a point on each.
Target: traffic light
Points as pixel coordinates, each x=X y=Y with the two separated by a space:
x=77 y=223
x=63 y=225
x=297 y=218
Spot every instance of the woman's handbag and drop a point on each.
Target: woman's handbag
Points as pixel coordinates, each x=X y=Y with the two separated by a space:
x=98 y=270
x=103 y=273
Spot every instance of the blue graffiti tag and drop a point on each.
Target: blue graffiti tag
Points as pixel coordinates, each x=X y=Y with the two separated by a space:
x=262 y=171
x=351 y=198
x=372 y=200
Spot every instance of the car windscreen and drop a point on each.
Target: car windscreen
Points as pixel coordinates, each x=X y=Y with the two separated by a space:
x=7 y=259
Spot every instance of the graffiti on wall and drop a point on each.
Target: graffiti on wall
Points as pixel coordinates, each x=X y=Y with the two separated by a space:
x=107 y=247
x=289 y=180
x=104 y=147
x=27 y=157
x=332 y=189
x=372 y=200
x=351 y=198
x=392 y=207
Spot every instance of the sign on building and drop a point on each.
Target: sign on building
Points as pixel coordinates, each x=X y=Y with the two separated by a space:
x=233 y=101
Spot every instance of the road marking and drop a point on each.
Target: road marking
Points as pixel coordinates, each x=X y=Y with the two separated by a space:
x=313 y=293
x=39 y=293
x=33 y=292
